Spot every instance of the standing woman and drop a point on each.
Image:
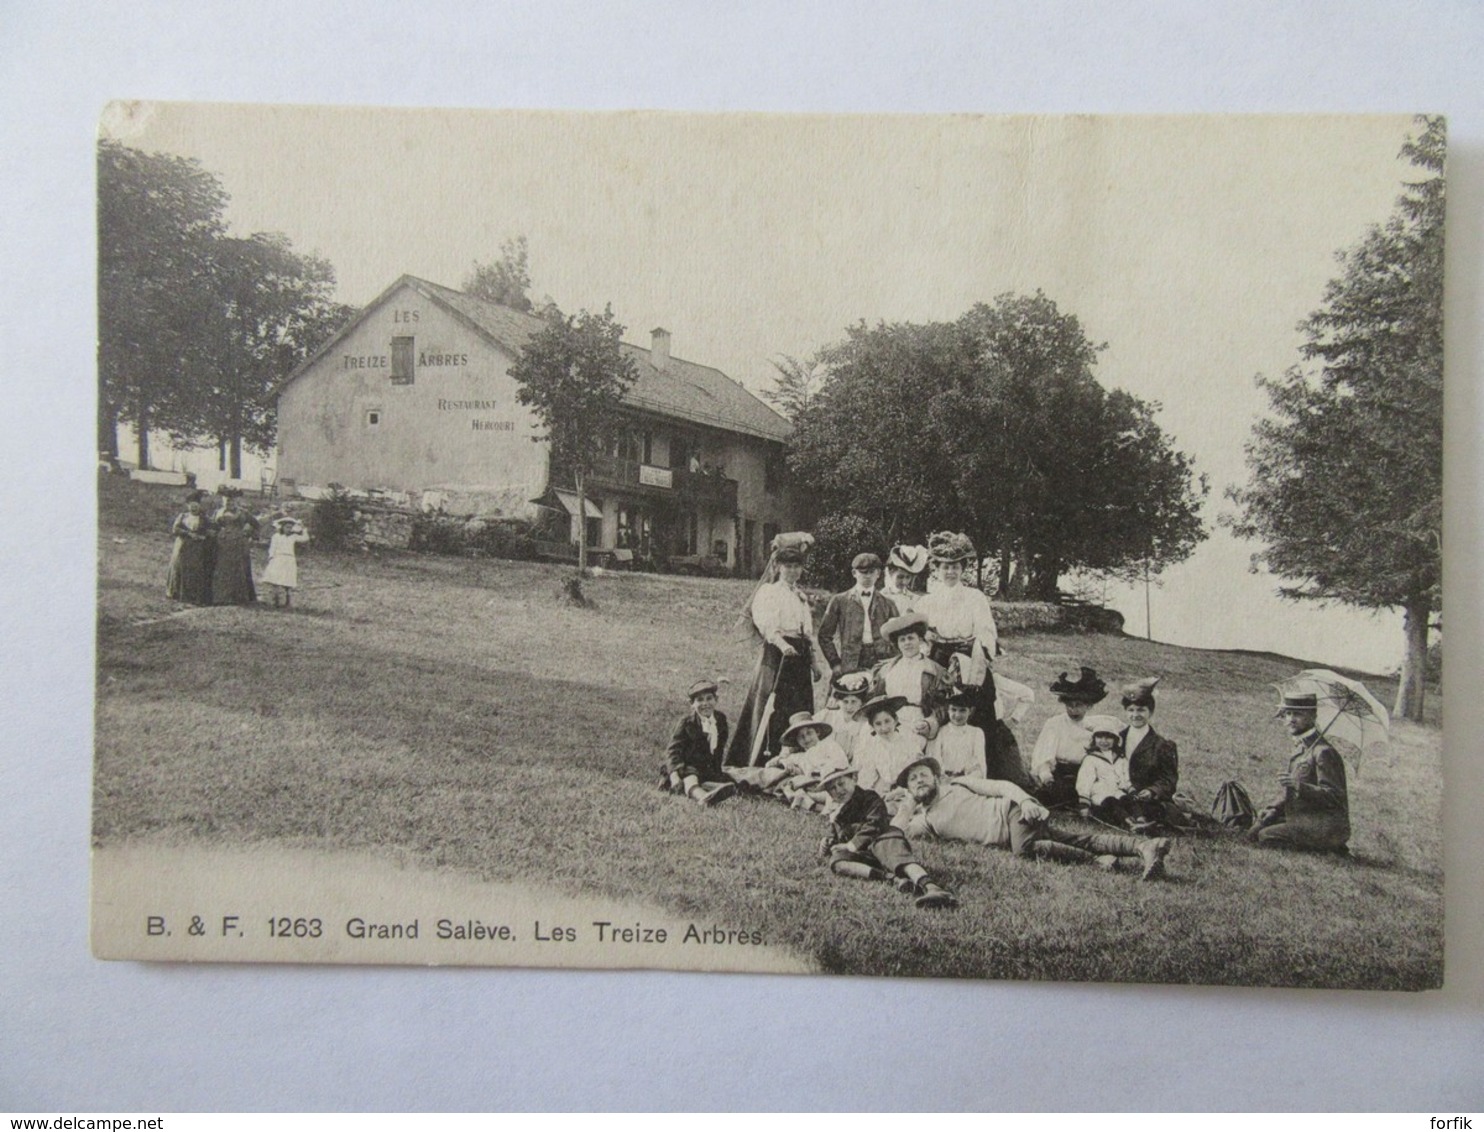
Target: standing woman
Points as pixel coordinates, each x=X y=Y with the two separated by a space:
x=231 y=580
x=780 y=617
x=963 y=627
x=190 y=559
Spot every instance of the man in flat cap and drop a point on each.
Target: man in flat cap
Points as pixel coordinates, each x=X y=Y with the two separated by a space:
x=850 y=633
x=1313 y=812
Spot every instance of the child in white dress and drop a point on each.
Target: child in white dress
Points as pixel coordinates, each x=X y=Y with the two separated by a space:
x=282 y=571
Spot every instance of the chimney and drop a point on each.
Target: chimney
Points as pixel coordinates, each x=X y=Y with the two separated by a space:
x=659 y=349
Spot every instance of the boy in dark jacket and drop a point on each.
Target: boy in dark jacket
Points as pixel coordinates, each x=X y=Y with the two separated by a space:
x=862 y=843
x=693 y=758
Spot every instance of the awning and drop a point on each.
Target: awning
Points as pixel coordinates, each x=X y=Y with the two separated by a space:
x=568 y=499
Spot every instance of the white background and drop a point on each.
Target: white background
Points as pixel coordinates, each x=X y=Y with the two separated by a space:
x=79 y=1035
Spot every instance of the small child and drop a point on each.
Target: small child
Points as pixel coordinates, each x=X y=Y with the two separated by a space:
x=850 y=693
x=958 y=747
x=809 y=754
x=862 y=843
x=1102 y=779
x=881 y=755
x=282 y=571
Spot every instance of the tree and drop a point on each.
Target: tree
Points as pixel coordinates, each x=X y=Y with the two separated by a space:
x=158 y=219
x=573 y=374
x=994 y=424
x=797 y=385
x=1346 y=481
x=272 y=308
x=507 y=280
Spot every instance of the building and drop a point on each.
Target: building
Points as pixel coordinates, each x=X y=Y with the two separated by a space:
x=414 y=395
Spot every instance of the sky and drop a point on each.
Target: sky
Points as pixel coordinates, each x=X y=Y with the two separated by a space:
x=1191 y=246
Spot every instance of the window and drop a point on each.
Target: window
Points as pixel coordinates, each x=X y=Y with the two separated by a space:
x=403 y=358
x=373 y=418
x=629 y=446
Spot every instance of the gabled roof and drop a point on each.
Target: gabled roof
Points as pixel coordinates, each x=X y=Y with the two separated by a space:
x=692 y=392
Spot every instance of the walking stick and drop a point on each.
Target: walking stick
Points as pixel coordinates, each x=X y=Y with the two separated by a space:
x=762 y=732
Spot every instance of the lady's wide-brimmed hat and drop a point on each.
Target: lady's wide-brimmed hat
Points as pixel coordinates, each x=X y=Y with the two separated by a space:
x=1088 y=688
x=892 y=704
x=913 y=559
x=852 y=684
x=905 y=623
x=287 y=523
x=950 y=546
x=799 y=721
x=789 y=556
x=195 y=495
x=1140 y=693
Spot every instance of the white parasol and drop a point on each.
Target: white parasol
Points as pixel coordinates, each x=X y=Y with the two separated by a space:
x=1349 y=717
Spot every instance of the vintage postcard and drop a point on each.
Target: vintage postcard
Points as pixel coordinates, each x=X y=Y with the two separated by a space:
x=985 y=547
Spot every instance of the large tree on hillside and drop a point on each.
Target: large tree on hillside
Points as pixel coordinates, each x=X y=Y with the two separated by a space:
x=798 y=383
x=994 y=424
x=573 y=375
x=506 y=280
x=1347 y=474
x=159 y=218
x=272 y=307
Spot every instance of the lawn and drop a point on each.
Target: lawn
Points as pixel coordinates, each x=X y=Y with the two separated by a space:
x=459 y=711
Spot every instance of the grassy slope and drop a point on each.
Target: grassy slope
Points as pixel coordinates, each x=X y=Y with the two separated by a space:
x=457 y=709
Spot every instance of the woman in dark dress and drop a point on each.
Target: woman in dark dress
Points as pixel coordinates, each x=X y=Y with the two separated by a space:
x=231 y=580
x=189 y=578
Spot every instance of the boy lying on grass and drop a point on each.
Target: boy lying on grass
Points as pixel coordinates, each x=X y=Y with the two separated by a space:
x=862 y=843
x=1003 y=815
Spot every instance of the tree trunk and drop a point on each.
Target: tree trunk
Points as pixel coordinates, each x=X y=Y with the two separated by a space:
x=141 y=441
x=221 y=454
x=581 y=522
x=1411 y=687
x=108 y=431
x=237 y=457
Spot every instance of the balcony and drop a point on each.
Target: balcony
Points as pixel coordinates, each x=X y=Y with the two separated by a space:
x=645 y=480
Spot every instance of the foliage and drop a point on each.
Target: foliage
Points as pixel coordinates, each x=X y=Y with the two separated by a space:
x=573 y=375
x=159 y=218
x=273 y=307
x=994 y=424
x=507 y=280
x=797 y=385
x=837 y=540
x=196 y=328
x=490 y=538
x=1346 y=486
x=335 y=520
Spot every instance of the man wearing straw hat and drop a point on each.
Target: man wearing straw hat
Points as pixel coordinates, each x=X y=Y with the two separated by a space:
x=1313 y=812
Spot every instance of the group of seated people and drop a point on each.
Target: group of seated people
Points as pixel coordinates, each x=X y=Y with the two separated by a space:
x=901 y=754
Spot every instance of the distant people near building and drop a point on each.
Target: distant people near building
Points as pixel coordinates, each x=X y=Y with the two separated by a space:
x=904 y=565
x=1062 y=745
x=864 y=844
x=880 y=755
x=850 y=632
x=1153 y=761
x=191 y=557
x=783 y=683
x=1313 y=811
x=964 y=641
x=1002 y=815
x=693 y=767
x=911 y=677
x=282 y=572
x=958 y=747
x=236 y=528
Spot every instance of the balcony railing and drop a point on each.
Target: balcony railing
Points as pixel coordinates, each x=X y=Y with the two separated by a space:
x=677 y=484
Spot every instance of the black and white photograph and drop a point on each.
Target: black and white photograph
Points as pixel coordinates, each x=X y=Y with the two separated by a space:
x=963 y=546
